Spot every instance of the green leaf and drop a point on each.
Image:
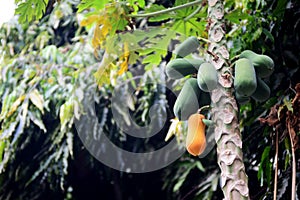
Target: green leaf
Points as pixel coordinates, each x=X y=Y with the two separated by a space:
x=141 y=3
x=31 y=10
x=256 y=34
x=237 y=15
x=280 y=9
x=288 y=105
x=159 y=18
x=37 y=99
x=154 y=8
x=287 y=158
x=2 y=147
x=200 y=166
x=153 y=59
x=268 y=34
x=182 y=178
x=180 y=2
x=88 y=4
x=265 y=166
x=66 y=113
x=37 y=121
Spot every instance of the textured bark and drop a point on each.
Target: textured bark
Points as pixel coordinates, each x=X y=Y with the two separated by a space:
x=234 y=181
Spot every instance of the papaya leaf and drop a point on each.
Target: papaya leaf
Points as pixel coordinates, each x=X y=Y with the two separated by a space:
x=88 y=4
x=237 y=15
x=31 y=10
x=141 y=3
x=91 y=19
x=154 y=8
x=154 y=58
x=159 y=18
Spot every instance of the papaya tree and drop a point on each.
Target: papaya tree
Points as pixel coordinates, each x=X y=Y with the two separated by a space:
x=216 y=55
x=234 y=180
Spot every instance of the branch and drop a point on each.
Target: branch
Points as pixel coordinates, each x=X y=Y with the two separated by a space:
x=276 y=168
x=293 y=194
x=167 y=10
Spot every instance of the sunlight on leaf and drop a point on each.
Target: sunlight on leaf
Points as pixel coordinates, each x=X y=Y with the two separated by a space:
x=175 y=128
x=109 y=20
x=102 y=75
x=288 y=105
x=89 y=20
x=15 y=105
x=88 y=4
x=37 y=99
x=66 y=113
x=124 y=58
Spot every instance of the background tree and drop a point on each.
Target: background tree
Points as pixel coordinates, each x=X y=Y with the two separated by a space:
x=55 y=48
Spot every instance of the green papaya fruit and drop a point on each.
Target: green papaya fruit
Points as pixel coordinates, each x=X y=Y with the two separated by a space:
x=241 y=99
x=207 y=77
x=181 y=67
x=244 y=77
x=263 y=64
x=262 y=92
x=188 y=46
x=190 y=99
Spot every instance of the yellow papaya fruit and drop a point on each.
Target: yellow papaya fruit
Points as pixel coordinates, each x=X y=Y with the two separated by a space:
x=207 y=77
x=263 y=64
x=244 y=77
x=188 y=46
x=196 y=140
x=262 y=92
x=190 y=99
x=180 y=67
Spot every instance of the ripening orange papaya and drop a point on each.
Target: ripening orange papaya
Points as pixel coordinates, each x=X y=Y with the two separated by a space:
x=195 y=140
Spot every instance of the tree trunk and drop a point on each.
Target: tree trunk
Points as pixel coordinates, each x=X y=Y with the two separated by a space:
x=234 y=181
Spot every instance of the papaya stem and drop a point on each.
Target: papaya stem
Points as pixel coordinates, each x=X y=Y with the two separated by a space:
x=192 y=14
x=203 y=108
x=207 y=122
x=203 y=39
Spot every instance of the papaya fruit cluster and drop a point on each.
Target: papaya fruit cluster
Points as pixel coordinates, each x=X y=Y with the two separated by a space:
x=194 y=93
x=249 y=70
